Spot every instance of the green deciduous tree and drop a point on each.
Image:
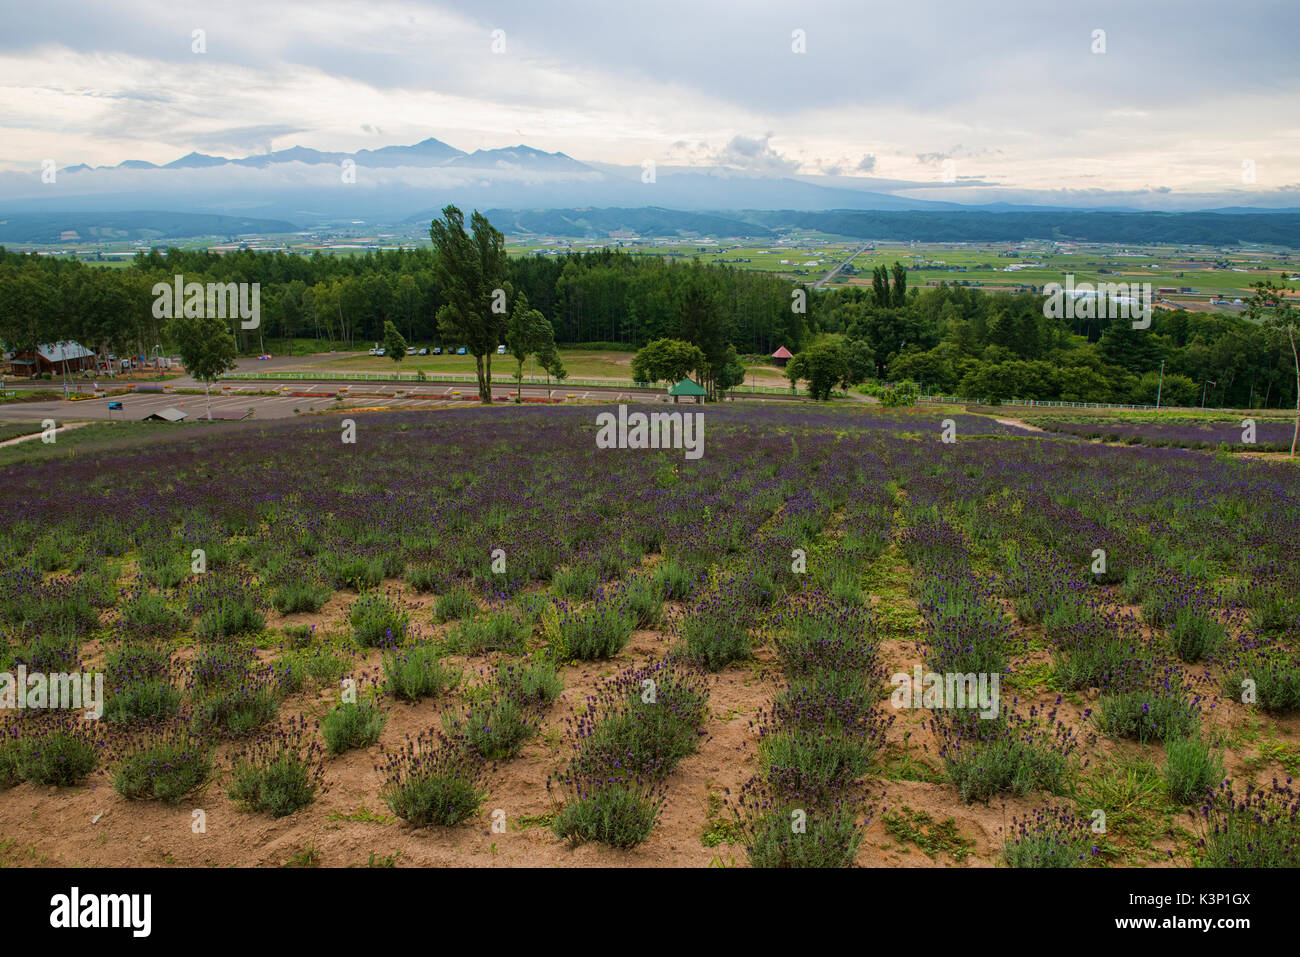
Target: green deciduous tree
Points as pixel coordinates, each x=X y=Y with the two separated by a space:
x=206 y=347
x=394 y=344
x=471 y=273
x=1277 y=314
x=667 y=360
x=528 y=333
x=822 y=366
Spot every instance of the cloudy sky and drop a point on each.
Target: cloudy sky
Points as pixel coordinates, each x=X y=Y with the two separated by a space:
x=947 y=93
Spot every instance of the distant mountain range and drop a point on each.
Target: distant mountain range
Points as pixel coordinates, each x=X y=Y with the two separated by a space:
x=554 y=194
x=426 y=153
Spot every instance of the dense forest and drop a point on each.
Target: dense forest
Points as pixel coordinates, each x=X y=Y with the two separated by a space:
x=953 y=340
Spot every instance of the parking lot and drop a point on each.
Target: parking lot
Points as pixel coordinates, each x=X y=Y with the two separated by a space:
x=306 y=397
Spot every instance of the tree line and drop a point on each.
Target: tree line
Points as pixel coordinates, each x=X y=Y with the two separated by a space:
x=947 y=339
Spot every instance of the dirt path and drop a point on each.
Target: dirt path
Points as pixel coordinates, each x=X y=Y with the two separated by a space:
x=37 y=434
x=1017 y=424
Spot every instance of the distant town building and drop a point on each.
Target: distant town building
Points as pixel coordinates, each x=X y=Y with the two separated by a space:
x=54 y=358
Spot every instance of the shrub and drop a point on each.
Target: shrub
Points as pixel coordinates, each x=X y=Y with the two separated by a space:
x=1052 y=838
x=147 y=615
x=352 y=725
x=1147 y=715
x=278 y=774
x=642 y=603
x=621 y=815
x=457 y=603
x=811 y=767
x=672 y=580
x=496 y=631
x=299 y=596
x=230 y=619
x=60 y=753
x=596 y=633
x=298 y=636
x=145 y=701
x=1191 y=768
x=418 y=673
x=433 y=780
x=785 y=836
x=536 y=681
x=377 y=622
x=496 y=727
x=165 y=768
x=715 y=641
x=642 y=721
x=1260 y=828
x=576 y=581
x=1277 y=682
x=985 y=756
x=1194 y=635
x=238 y=709
x=426 y=578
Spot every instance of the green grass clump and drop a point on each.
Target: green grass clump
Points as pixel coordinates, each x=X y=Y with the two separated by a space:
x=1192 y=768
x=595 y=633
x=351 y=725
x=502 y=630
x=931 y=836
x=1194 y=635
x=715 y=641
x=457 y=603
x=536 y=681
x=299 y=596
x=1146 y=715
x=495 y=727
x=415 y=673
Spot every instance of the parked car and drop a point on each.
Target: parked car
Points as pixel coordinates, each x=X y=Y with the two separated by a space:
x=423 y=352
x=374 y=351
x=437 y=350
x=501 y=350
x=381 y=352
x=410 y=350
x=460 y=351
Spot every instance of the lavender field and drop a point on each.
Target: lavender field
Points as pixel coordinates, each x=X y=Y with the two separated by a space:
x=1227 y=434
x=474 y=637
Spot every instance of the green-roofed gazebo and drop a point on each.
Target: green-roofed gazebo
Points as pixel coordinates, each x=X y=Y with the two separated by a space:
x=687 y=387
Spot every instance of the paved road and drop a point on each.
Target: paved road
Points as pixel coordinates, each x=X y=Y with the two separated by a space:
x=360 y=395
x=831 y=275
